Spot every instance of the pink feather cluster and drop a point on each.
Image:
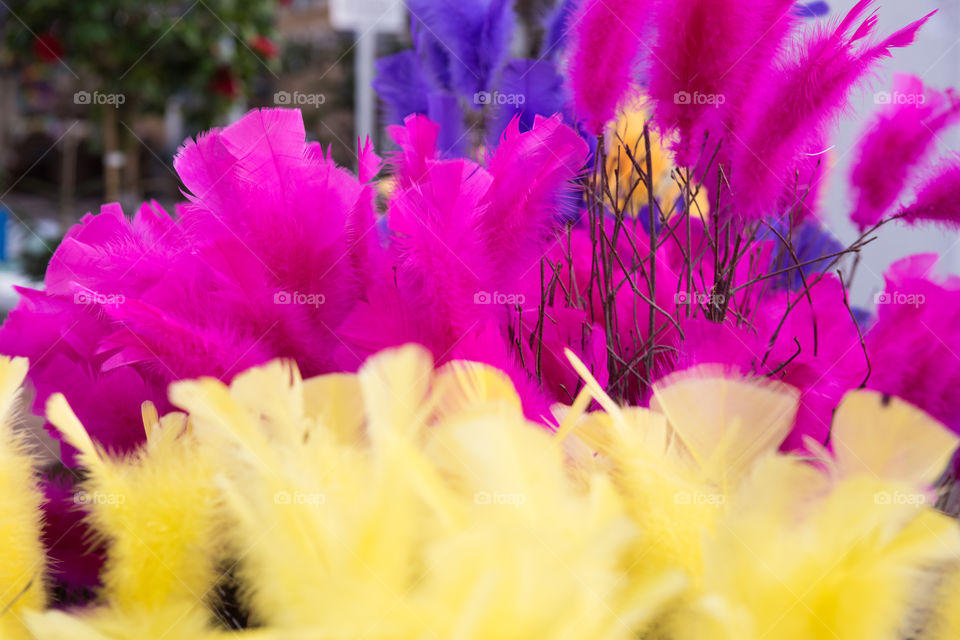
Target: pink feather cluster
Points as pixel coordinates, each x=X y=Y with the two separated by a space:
x=787 y=112
x=746 y=98
x=707 y=56
x=265 y=260
x=896 y=144
x=278 y=253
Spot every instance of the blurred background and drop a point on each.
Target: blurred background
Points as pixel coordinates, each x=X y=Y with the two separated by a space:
x=96 y=96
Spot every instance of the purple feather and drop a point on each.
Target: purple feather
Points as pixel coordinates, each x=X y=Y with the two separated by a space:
x=542 y=90
x=402 y=86
x=472 y=35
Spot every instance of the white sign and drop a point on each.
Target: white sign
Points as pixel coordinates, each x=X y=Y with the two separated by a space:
x=362 y=15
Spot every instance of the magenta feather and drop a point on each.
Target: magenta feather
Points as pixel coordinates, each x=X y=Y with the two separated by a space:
x=786 y=116
x=606 y=44
x=266 y=260
x=708 y=54
x=896 y=143
x=532 y=175
x=937 y=198
x=915 y=340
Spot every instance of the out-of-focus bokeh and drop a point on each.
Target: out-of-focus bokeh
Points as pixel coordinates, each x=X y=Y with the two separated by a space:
x=96 y=96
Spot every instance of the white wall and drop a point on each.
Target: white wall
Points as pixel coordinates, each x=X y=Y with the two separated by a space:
x=935 y=57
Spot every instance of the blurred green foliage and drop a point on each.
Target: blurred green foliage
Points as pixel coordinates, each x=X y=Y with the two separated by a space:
x=149 y=50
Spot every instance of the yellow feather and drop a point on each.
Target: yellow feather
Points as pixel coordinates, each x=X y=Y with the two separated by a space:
x=471 y=528
x=335 y=402
x=725 y=421
x=890 y=439
x=158 y=511
x=22 y=560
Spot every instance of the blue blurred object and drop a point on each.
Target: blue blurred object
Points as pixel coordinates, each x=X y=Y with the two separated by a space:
x=810 y=240
x=812 y=9
x=4 y=218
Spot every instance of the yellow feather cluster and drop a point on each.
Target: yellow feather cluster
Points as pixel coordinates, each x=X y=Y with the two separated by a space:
x=22 y=560
x=626 y=148
x=412 y=502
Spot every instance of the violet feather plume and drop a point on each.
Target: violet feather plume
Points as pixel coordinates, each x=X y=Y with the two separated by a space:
x=606 y=45
x=472 y=36
x=786 y=117
x=898 y=141
x=936 y=200
x=402 y=85
x=542 y=87
x=556 y=26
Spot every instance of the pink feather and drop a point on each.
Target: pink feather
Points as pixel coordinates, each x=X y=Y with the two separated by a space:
x=607 y=38
x=787 y=115
x=532 y=175
x=938 y=198
x=708 y=54
x=897 y=142
x=914 y=343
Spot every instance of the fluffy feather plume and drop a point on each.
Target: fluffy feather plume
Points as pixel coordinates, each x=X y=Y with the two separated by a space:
x=461 y=233
x=532 y=176
x=707 y=56
x=22 y=557
x=402 y=86
x=606 y=43
x=543 y=91
x=468 y=40
x=416 y=487
x=915 y=335
x=846 y=532
x=896 y=143
x=784 y=118
x=157 y=510
x=936 y=199
x=265 y=260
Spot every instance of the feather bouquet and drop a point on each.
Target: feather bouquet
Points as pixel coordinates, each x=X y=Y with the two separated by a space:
x=636 y=356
